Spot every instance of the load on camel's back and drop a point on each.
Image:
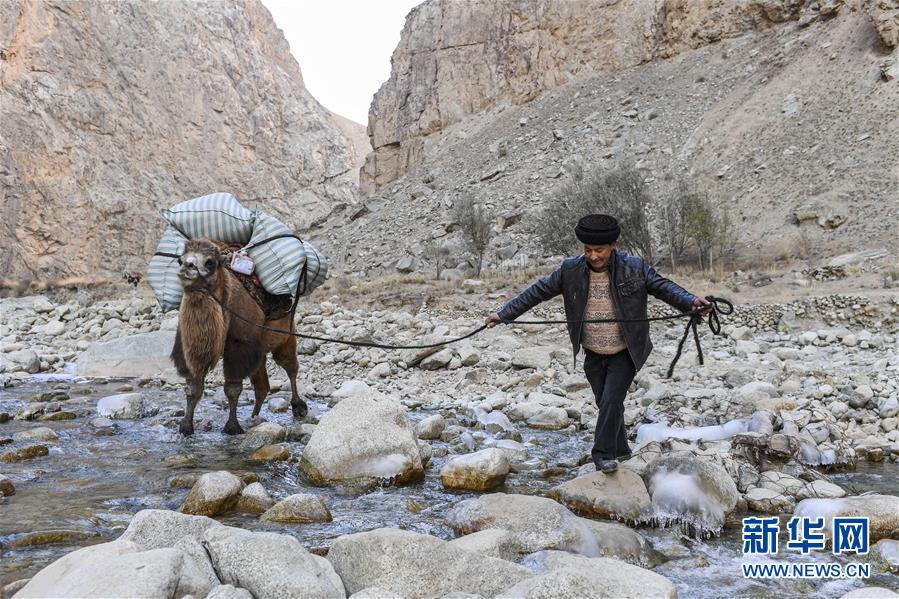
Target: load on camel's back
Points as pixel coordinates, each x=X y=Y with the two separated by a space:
x=232 y=272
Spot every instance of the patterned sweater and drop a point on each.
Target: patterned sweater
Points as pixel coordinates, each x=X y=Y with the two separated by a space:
x=601 y=338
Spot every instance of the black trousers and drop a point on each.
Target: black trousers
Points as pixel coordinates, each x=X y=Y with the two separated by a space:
x=609 y=377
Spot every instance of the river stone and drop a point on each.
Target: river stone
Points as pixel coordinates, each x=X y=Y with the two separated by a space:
x=882 y=512
x=278 y=404
x=417 y=566
x=301 y=508
x=870 y=593
x=438 y=360
x=26 y=360
x=479 y=471
x=226 y=591
x=24 y=453
x=363 y=439
x=769 y=501
x=379 y=593
x=537 y=522
x=694 y=492
x=118 y=569
x=254 y=499
x=6 y=486
x=888 y=551
x=523 y=410
x=618 y=541
x=49 y=537
x=214 y=493
x=153 y=529
x=145 y=355
x=575 y=577
x=430 y=428
x=56 y=416
x=515 y=451
x=493 y=542
x=539 y=358
x=270 y=565
x=621 y=495
x=40 y=433
x=123 y=406
x=549 y=418
x=821 y=489
x=781 y=483
x=271 y=453
x=265 y=433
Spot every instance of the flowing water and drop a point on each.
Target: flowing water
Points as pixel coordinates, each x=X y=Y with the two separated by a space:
x=90 y=485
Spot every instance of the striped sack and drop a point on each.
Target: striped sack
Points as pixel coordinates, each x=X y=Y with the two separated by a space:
x=162 y=274
x=217 y=215
x=280 y=257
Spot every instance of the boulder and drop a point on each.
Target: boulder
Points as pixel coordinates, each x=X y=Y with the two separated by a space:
x=479 y=471
x=537 y=522
x=564 y=576
x=154 y=529
x=416 y=566
x=271 y=453
x=882 y=512
x=265 y=433
x=691 y=491
x=769 y=501
x=549 y=418
x=123 y=406
x=39 y=433
x=539 y=358
x=214 y=493
x=270 y=565
x=493 y=542
x=6 y=486
x=145 y=355
x=621 y=495
x=118 y=569
x=226 y=591
x=300 y=508
x=363 y=439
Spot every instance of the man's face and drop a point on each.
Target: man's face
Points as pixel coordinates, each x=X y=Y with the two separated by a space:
x=598 y=255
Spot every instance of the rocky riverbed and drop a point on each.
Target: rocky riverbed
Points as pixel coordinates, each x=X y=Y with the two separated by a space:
x=473 y=456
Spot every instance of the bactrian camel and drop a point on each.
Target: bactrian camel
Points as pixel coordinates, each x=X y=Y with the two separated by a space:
x=207 y=333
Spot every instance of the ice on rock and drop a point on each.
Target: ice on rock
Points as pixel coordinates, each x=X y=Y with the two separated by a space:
x=660 y=431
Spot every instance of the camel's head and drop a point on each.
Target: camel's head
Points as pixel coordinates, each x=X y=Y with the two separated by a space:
x=201 y=264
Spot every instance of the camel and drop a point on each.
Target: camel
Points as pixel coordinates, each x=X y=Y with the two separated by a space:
x=207 y=333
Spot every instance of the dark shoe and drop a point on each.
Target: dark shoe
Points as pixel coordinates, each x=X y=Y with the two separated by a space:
x=608 y=466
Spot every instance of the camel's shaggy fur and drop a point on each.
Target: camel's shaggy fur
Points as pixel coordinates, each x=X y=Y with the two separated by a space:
x=207 y=333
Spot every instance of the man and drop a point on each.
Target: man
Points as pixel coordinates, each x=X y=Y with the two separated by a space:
x=604 y=283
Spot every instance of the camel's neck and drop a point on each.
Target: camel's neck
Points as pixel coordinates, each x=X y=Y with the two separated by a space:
x=203 y=327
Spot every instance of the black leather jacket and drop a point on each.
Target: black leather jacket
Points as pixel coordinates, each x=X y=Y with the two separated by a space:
x=632 y=280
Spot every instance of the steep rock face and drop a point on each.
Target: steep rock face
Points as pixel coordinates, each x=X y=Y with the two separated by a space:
x=460 y=58
x=111 y=110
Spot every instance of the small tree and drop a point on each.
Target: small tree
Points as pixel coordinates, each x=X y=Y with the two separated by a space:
x=710 y=228
x=432 y=251
x=673 y=222
x=620 y=193
x=476 y=227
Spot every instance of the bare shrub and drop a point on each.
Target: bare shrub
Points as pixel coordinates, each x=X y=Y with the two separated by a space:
x=476 y=227
x=708 y=226
x=620 y=193
x=672 y=223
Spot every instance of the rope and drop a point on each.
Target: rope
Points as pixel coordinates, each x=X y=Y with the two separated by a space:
x=718 y=305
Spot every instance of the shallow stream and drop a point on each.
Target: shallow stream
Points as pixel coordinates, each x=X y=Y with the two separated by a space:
x=89 y=486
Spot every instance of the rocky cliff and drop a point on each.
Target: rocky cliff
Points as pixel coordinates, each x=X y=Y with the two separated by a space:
x=111 y=110
x=459 y=58
x=787 y=108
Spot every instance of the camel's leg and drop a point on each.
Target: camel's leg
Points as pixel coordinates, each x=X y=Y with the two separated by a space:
x=260 y=387
x=194 y=392
x=286 y=357
x=232 y=392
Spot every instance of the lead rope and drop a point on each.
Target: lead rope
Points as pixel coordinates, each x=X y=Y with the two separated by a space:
x=719 y=305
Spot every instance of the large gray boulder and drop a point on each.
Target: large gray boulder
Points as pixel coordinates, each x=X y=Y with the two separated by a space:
x=415 y=565
x=122 y=406
x=363 y=439
x=566 y=576
x=537 y=522
x=154 y=529
x=621 y=495
x=135 y=356
x=694 y=492
x=270 y=565
x=119 y=569
x=493 y=542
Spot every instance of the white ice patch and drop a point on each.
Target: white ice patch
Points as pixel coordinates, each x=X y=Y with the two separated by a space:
x=660 y=431
x=677 y=497
x=386 y=466
x=817 y=508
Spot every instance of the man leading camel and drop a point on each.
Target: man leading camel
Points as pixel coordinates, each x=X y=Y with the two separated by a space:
x=605 y=283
